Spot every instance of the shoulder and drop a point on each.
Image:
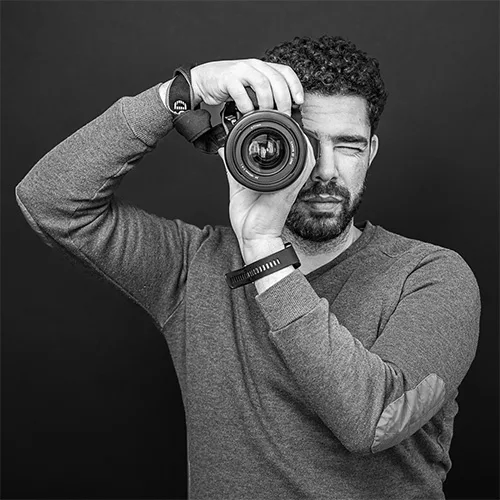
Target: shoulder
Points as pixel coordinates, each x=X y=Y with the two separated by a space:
x=429 y=262
x=397 y=245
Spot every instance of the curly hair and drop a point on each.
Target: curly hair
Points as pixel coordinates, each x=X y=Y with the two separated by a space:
x=332 y=65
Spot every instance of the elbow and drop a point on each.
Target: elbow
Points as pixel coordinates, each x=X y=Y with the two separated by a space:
x=358 y=448
x=26 y=198
x=358 y=442
x=29 y=197
x=22 y=193
x=355 y=435
x=370 y=445
x=407 y=414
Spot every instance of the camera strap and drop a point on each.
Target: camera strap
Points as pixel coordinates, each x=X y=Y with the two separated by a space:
x=192 y=123
x=195 y=124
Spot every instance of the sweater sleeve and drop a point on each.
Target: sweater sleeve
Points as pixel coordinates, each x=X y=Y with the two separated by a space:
x=68 y=199
x=373 y=399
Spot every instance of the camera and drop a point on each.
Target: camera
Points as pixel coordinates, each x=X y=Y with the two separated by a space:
x=265 y=150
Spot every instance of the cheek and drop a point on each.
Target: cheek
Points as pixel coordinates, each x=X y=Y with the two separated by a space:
x=352 y=172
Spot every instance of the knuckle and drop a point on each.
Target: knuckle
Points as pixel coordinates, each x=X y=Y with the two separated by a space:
x=236 y=91
x=240 y=67
x=244 y=63
x=263 y=85
x=284 y=68
x=261 y=82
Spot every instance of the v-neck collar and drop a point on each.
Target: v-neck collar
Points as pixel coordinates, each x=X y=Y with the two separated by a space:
x=368 y=231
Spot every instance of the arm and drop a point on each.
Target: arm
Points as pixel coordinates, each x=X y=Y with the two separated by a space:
x=373 y=399
x=68 y=198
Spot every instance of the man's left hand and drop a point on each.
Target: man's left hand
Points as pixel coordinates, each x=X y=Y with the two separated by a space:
x=258 y=218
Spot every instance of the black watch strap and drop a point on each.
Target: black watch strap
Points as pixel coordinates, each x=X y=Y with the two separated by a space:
x=263 y=267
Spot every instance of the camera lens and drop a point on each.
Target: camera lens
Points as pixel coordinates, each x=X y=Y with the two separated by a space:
x=265 y=151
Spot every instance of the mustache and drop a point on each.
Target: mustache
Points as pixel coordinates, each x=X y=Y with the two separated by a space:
x=331 y=188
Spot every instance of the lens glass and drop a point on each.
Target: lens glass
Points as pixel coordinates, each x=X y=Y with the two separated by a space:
x=266 y=151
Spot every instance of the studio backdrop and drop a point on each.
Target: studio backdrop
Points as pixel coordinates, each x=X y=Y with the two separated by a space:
x=91 y=406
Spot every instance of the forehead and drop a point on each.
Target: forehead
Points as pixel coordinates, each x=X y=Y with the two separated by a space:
x=335 y=115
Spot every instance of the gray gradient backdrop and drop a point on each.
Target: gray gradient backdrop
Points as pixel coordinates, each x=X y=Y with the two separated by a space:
x=90 y=402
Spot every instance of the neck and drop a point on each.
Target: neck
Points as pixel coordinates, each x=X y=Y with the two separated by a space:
x=314 y=254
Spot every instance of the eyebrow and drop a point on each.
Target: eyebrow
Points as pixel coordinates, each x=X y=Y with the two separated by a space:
x=347 y=138
x=358 y=139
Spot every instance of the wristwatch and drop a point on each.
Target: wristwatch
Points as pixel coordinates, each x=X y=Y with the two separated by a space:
x=263 y=267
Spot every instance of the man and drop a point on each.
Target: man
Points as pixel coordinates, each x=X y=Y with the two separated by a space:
x=334 y=380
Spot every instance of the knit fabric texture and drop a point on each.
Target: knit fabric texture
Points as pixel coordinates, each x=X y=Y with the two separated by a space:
x=338 y=384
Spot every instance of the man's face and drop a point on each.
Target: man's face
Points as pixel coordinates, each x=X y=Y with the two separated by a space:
x=330 y=197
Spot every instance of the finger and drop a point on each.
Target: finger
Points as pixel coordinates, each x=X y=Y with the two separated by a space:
x=294 y=84
x=261 y=85
x=299 y=183
x=279 y=85
x=237 y=91
x=311 y=158
x=309 y=165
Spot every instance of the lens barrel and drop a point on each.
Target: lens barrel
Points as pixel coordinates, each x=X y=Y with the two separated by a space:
x=266 y=150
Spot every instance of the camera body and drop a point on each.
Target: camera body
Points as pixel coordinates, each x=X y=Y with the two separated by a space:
x=265 y=150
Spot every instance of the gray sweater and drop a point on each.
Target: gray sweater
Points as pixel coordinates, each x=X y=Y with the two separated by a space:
x=338 y=384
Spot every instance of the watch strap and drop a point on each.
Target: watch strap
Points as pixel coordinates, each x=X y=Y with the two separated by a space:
x=263 y=267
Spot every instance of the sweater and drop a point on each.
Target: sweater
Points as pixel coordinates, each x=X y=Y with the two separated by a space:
x=338 y=384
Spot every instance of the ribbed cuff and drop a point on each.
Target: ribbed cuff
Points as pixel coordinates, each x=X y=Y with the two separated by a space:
x=289 y=299
x=147 y=116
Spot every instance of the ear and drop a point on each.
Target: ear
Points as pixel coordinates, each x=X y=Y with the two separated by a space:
x=373 y=148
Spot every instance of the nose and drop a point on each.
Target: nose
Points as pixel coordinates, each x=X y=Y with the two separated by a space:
x=326 y=166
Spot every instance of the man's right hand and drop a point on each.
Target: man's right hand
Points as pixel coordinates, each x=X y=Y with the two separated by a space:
x=257 y=218
x=216 y=82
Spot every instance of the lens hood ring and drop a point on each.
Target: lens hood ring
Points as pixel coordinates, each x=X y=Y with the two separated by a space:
x=266 y=121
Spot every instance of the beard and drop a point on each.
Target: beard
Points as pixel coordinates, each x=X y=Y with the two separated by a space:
x=321 y=227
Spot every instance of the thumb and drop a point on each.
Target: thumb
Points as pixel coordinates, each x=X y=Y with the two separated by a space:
x=310 y=161
x=306 y=171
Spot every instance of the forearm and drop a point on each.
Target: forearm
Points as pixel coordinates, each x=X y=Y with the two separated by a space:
x=344 y=383
x=68 y=198
x=372 y=399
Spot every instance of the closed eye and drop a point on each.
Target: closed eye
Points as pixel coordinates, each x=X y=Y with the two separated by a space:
x=350 y=149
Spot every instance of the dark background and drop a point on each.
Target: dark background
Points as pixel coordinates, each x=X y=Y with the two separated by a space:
x=90 y=402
